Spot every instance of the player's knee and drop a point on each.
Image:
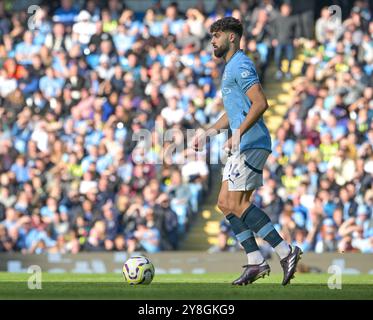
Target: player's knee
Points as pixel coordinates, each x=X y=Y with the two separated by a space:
x=223 y=206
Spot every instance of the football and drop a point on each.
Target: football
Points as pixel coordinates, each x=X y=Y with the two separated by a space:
x=138 y=270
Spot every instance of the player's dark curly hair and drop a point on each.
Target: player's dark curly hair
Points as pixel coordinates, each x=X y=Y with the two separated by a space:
x=227 y=24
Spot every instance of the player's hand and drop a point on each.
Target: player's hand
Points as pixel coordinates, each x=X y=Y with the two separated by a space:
x=232 y=144
x=199 y=140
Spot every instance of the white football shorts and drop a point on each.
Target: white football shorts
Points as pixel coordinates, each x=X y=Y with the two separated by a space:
x=244 y=171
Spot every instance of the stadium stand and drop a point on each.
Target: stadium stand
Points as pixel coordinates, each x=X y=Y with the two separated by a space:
x=79 y=79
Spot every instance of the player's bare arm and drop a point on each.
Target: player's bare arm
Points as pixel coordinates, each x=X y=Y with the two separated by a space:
x=259 y=105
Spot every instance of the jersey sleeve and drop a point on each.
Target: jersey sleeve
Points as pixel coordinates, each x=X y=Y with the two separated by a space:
x=246 y=76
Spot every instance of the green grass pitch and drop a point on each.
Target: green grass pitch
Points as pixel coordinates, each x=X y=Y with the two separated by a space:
x=183 y=286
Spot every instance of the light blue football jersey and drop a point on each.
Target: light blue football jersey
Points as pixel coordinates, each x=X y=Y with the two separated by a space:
x=240 y=75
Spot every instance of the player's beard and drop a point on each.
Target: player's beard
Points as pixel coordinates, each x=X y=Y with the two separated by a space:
x=221 y=51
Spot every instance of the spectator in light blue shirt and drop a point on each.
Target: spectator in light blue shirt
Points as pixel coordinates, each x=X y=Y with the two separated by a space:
x=92 y=157
x=42 y=26
x=154 y=26
x=50 y=85
x=94 y=137
x=30 y=238
x=26 y=49
x=123 y=40
x=124 y=170
x=331 y=126
x=364 y=214
x=104 y=160
x=300 y=213
x=49 y=209
x=11 y=216
x=27 y=235
x=149 y=238
x=301 y=240
x=175 y=24
x=21 y=134
x=21 y=170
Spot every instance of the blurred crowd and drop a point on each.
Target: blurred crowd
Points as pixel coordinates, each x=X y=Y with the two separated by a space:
x=318 y=181
x=79 y=79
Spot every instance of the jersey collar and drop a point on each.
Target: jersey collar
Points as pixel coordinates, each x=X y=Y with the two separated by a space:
x=238 y=50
